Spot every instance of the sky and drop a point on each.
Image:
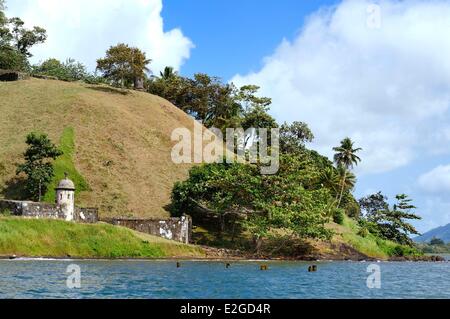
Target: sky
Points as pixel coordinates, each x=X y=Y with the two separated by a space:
x=376 y=71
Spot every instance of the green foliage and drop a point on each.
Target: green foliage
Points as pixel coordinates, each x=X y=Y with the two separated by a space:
x=434 y=249
x=291 y=201
x=338 y=216
x=65 y=164
x=38 y=166
x=5 y=212
x=352 y=208
x=123 y=65
x=213 y=102
x=16 y=42
x=363 y=232
x=23 y=39
x=389 y=223
x=402 y=251
x=345 y=158
x=294 y=136
x=70 y=70
x=11 y=59
x=436 y=242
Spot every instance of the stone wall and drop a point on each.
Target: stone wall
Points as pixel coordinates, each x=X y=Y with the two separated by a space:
x=7 y=75
x=179 y=229
x=45 y=210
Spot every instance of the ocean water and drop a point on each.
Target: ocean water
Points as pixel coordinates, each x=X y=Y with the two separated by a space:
x=207 y=279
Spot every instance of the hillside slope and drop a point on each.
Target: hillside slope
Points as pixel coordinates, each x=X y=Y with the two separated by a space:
x=122 y=141
x=442 y=232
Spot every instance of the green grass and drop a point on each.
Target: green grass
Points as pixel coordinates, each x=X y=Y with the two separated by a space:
x=65 y=164
x=368 y=245
x=56 y=238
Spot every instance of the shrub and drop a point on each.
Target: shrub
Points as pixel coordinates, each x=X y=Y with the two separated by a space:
x=363 y=232
x=403 y=250
x=5 y=212
x=70 y=70
x=353 y=210
x=338 y=216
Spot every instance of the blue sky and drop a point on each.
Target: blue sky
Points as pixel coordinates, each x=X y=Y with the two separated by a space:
x=376 y=71
x=233 y=36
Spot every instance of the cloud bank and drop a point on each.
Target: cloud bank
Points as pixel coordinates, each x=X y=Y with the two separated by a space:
x=436 y=181
x=380 y=77
x=85 y=29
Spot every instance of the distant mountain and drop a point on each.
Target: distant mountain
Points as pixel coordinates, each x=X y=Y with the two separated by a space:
x=442 y=232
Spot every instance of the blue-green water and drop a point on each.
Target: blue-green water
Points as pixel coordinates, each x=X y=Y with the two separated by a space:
x=200 y=279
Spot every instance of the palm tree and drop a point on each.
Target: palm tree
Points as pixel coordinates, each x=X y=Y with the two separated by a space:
x=345 y=157
x=330 y=179
x=168 y=73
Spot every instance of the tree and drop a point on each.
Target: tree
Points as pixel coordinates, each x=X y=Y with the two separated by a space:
x=254 y=111
x=23 y=38
x=293 y=137
x=289 y=201
x=436 y=242
x=389 y=223
x=16 y=41
x=124 y=65
x=2 y=13
x=372 y=204
x=168 y=73
x=346 y=157
x=38 y=166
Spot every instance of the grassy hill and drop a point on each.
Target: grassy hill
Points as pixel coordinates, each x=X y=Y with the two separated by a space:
x=56 y=238
x=117 y=143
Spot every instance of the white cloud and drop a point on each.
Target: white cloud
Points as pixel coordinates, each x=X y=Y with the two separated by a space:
x=435 y=212
x=85 y=29
x=388 y=88
x=436 y=181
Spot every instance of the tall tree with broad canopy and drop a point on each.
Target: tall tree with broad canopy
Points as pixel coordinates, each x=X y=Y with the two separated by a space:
x=124 y=65
x=291 y=202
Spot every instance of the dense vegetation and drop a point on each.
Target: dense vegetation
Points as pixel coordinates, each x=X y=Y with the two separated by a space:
x=435 y=246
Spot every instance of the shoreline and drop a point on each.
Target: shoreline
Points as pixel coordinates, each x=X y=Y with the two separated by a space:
x=429 y=259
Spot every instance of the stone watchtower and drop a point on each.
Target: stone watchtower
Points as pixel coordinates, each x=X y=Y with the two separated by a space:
x=65 y=197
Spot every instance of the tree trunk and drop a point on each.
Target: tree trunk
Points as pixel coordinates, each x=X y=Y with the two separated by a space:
x=258 y=244
x=342 y=189
x=138 y=83
x=40 y=191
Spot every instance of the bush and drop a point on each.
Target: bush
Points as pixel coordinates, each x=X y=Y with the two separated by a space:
x=5 y=212
x=70 y=70
x=363 y=232
x=402 y=250
x=338 y=216
x=353 y=210
x=10 y=59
